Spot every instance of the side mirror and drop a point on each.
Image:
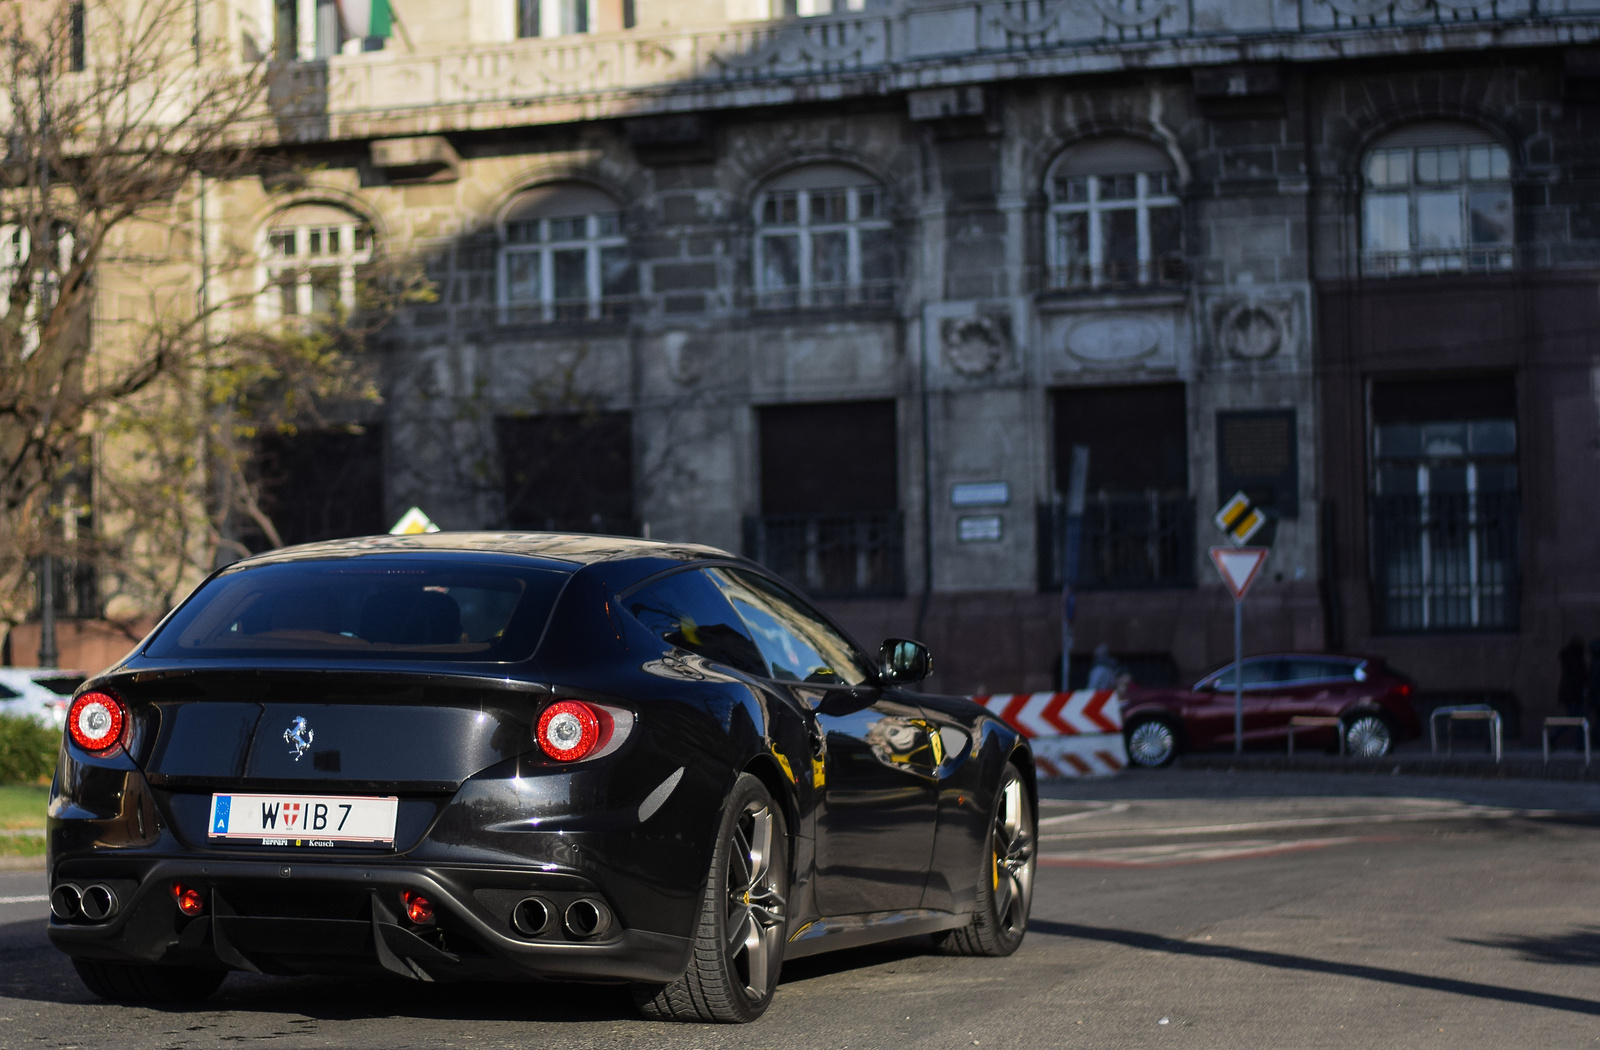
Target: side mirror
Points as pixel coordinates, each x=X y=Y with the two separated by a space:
x=904 y=662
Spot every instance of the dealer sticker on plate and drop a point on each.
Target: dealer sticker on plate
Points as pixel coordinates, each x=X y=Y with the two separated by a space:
x=300 y=820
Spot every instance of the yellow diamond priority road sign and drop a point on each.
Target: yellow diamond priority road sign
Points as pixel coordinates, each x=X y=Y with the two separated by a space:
x=1239 y=519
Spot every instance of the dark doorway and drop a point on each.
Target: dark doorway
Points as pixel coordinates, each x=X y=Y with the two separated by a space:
x=569 y=473
x=321 y=484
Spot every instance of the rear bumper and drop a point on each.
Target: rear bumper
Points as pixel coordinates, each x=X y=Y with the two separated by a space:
x=281 y=917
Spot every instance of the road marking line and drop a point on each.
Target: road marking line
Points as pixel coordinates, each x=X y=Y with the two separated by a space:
x=1119 y=807
x=1167 y=856
x=33 y=898
x=1303 y=822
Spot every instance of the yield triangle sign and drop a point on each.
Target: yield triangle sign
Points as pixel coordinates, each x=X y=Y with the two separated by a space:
x=413 y=523
x=1239 y=566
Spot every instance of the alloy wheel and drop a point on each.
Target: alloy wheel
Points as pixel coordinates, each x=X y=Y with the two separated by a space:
x=1151 y=743
x=755 y=925
x=1367 y=736
x=1014 y=859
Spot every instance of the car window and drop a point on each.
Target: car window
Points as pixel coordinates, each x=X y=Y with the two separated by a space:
x=8 y=693
x=1265 y=671
x=370 y=607
x=687 y=610
x=1311 y=669
x=60 y=684
x=797 y=642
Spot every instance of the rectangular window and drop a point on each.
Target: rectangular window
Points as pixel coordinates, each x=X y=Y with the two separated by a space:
x=569 y=472
x=77 y=52
x=1257 y=453
x=1444 y=505
x=830 y=517
x=1138 y=528
x=321 y=484
x=1121 y=233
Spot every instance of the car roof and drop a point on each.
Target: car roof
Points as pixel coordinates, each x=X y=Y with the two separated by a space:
x=567 y=550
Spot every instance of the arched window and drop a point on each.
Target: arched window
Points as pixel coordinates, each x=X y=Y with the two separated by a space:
x=823 y=238
x=1437 y=198
x=312 y=252
x=1115 y=217
x=563 y=256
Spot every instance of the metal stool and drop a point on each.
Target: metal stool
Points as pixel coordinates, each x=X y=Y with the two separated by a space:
x=1583 y=723
x=1316 y=722
x=1465 y=713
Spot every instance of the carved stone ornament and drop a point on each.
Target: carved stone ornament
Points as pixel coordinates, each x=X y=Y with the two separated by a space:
x=684 y=367
x=1254 y=330
x=1113 y=340
x=1125 y=15
x=975 y=346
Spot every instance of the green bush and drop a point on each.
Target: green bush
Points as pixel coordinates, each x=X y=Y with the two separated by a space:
x=27 y=751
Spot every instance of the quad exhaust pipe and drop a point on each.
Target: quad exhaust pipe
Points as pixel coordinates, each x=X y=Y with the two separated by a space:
x=587 y=918
x=584 y=919
x=96 y=903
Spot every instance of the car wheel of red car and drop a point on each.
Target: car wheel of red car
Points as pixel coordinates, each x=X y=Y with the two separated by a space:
x=1368 y=735
x=1152 y=742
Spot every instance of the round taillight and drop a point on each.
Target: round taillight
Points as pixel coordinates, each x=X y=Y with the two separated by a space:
x=190 y=902
x=419 y=909
x=568 y=730
x=95 y=721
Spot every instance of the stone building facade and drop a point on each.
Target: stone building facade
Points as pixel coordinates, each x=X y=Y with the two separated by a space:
x=843 y=288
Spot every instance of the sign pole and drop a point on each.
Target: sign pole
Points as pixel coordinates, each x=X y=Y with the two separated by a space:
x=1238 y=675
x=1072 y=554
x=1239 y=567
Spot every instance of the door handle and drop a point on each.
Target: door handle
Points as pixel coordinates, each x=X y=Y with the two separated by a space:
x=819 y=741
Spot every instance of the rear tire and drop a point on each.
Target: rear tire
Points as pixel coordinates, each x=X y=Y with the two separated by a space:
x=1005 y=885
x=148 y=983
x=1367 y=734
x=738 y=950
x=1152 y=742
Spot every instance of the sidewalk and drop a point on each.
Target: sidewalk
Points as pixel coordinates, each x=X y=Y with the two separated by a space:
x=1468 y=760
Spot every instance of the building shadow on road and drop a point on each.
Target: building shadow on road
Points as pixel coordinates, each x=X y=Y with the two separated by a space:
x=1283 y=961
x=1580 y=947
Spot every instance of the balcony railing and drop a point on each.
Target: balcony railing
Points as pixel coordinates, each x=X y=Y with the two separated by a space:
x=1117 y=276
x=1445 y=562
x=1438 y=261
x=897 y=46
x=1130 y=541
x=832 y=555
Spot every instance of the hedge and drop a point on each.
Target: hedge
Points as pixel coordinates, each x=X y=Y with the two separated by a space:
x=27 y=751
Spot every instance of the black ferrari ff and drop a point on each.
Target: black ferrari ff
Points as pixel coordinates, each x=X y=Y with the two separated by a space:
x=474 y=756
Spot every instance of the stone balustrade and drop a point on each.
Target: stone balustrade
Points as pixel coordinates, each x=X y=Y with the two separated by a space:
x=906 y=46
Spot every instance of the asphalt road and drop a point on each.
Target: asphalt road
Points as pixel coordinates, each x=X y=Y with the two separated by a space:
x=1173 y=909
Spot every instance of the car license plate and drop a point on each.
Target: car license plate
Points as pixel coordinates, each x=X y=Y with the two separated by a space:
x=304 y=820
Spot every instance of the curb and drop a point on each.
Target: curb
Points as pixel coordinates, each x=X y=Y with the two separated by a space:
x=1484 y=768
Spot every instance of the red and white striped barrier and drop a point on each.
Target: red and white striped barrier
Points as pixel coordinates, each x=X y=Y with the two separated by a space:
x=1073 y=734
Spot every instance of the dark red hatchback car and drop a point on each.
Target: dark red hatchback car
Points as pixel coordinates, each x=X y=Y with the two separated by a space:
x=1371 y=700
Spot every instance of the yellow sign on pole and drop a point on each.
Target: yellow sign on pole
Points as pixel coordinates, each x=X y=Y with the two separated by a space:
x=413 y=523
x=1239 y=519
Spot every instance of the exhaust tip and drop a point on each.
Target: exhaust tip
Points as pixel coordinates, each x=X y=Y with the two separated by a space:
x=587 y=918
x=532 y=916
x=66 y=902
x=98 y=902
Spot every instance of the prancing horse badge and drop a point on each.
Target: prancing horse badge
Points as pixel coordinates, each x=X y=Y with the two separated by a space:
x=300 y=735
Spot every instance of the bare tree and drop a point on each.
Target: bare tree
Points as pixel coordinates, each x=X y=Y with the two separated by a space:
x=131 y=361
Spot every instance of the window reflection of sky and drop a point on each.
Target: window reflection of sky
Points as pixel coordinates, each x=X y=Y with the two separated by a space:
x=798 y=647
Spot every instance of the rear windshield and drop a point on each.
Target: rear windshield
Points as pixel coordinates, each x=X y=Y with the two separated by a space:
x=367 y=608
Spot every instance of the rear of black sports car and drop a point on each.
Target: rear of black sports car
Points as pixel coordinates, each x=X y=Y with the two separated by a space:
x=501 y=860
x=462 y=758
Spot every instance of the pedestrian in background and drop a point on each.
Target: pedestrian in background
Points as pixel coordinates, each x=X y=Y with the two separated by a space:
x=1575 y=685
x=1104 y=671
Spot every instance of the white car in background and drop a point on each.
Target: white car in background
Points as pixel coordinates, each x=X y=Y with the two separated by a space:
x=39 y=693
